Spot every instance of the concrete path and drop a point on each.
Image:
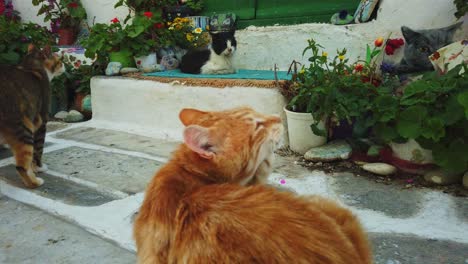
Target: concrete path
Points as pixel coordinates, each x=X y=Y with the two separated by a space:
x=96 y=180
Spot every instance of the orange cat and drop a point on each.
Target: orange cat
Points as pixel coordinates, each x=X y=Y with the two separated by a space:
x=198 y=209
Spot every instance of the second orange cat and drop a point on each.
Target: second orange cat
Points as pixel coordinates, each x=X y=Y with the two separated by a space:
x=205 y=206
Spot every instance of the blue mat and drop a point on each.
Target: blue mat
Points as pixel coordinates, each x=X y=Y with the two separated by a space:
x=241 y=74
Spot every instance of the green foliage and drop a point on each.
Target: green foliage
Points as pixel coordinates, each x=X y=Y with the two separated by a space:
x=143 y=35
x=432 y=110
x=462 y=7
x=77 y=76
x=16 y=36
x=139 y=6
x=69 y=13
x=329 y=90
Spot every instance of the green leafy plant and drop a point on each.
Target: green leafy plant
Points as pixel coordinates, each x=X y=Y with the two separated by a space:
x=105 y=38
x=147 y=33
x=139 y=6
x=462 y=7
x=77 y=76
x=15 y=37
x=434 y=112
x=331 y=90
x=195 y=5
x=66 y=13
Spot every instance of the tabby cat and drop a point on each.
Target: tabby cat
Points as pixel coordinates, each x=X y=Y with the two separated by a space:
x=203 y=206
x=24 y=107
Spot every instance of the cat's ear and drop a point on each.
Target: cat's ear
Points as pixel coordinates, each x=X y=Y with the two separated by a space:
x=31 y=48
x=189 y=115
x=197 y=139
x=408 y=33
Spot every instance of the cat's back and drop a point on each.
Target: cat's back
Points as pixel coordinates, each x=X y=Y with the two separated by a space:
x=19 y=88
x=194 y=60
x=259 y=224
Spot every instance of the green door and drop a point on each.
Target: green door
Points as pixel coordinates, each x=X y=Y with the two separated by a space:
x=244 y=9
x=298 y=8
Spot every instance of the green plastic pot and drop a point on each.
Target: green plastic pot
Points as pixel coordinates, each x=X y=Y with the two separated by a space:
x=124 y=56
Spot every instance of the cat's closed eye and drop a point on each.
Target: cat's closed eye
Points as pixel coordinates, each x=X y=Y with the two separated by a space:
x=424 y=49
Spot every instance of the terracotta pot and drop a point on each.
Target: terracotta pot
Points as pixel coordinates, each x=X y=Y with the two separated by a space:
x=79 y=101
x=66 y=36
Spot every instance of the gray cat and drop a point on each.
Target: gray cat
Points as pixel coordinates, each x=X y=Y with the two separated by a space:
x=422 y=43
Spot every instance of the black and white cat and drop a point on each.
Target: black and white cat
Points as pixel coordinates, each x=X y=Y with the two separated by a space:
x=215 y=60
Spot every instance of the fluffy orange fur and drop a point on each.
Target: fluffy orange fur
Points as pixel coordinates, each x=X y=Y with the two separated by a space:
x=207 y=204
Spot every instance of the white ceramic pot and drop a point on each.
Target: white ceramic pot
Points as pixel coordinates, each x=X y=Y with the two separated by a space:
x=301 y=137
x=412 y=151
x=146 y=61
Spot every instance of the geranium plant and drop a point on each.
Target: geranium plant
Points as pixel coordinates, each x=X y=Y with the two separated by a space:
x=432 y=110
x=330 y=90
x=62 y=13
x=15 y=37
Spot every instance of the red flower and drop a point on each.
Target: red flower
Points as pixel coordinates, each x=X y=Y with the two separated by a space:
x=2 y=7
x=72 y=5
x=435 y=56
x=396 y=43
x=359 y=67
x=158 y=25
x=148 y=14
x=115 y=20
x=139 y=62
x=389 y=50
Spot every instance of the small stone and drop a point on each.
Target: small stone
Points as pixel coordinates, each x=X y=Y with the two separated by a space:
x=74 y=116
x=465 y=180
x=61 y=115
x=113 y=68
x=335 y=150
x=441 y=177
x=128 y=70
x=379 y=168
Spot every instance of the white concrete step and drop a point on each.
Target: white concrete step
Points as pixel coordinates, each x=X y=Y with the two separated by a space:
x=152 y=108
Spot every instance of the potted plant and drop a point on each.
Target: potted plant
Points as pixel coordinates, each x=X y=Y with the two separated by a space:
x=16 y=37
x=432 y=111
x=66 y=15
x=147 y=33
x=109 y=42
x=327 y=94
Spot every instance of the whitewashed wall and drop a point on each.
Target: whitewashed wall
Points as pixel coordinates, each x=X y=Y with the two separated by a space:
x=262 y=47
x=100 y=11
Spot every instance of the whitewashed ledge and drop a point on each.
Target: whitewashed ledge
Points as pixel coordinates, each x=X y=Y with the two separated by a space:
x=151 y=108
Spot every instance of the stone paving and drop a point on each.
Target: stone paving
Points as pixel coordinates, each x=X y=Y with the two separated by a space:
x=96 y=179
